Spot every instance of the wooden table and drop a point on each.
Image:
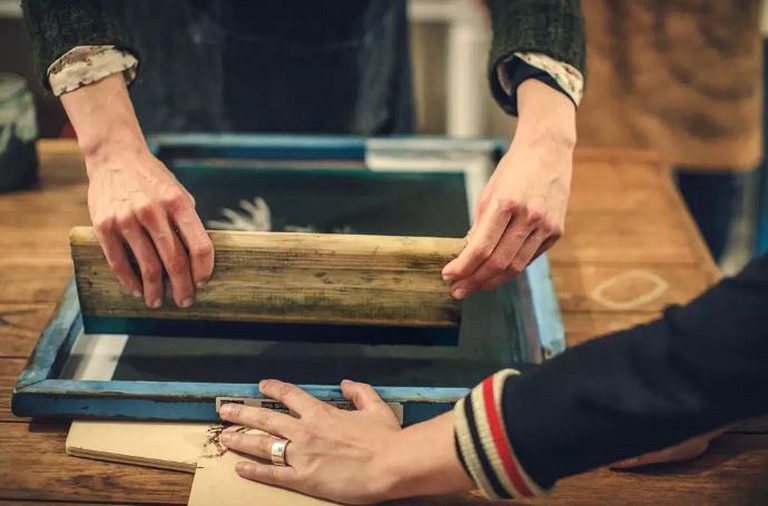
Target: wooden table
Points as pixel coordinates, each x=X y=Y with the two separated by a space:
x=630 y=249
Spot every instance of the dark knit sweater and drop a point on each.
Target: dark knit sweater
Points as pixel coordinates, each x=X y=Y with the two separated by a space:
x=551 y=27
x=56 y=27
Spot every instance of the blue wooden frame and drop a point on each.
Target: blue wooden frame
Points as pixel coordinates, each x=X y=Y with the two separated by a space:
x=39 y=391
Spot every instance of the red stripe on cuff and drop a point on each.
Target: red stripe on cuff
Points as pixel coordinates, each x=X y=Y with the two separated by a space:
x=500 y=439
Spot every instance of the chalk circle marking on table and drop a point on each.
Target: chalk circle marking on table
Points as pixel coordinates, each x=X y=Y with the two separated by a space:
x=660 y=285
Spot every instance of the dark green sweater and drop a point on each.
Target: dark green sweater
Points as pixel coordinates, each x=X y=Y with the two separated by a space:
x=551 y=27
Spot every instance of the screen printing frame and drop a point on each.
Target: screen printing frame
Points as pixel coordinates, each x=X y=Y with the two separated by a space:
x=40 y=391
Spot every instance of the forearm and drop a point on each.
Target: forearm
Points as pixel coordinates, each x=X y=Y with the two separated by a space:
x=424 y=461
x=104 y=119
x=545 y=115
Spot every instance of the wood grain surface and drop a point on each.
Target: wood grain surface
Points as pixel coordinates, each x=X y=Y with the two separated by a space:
x=681 y=77
x=625 y=188
x=294 y=277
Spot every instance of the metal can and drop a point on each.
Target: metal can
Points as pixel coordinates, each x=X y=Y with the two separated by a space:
x=18 y=132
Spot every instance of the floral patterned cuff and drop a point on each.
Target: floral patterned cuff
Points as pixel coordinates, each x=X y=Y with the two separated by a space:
x=83 y=65
x=567 y=77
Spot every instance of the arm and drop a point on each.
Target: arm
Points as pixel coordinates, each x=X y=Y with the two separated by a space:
x=521 y=212
x=134 y=200
x=697 y=368
x=137 y=206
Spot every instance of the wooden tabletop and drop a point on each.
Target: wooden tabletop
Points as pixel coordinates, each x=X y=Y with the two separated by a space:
x=630 y=249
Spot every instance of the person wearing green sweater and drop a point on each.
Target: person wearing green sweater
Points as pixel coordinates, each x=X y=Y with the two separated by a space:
x=299 y=66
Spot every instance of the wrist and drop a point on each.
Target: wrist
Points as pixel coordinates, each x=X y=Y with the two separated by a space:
x=547 y=118
x=114 y=143
x=421 y=460
x=103 y=118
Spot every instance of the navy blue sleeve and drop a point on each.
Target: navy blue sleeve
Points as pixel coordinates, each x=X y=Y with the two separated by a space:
x=697 y=368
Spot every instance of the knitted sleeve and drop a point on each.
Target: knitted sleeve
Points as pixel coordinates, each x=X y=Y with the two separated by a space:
x=554 y=28
x=56 y=27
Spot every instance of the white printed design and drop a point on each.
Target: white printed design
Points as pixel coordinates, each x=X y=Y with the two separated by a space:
x=255 y=216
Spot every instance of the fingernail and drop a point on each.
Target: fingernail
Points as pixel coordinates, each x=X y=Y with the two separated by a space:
x=186 y=303
x=225 y=410
x=242 y=467
x=156 y=304
x=460 y=293
x=448 y=277
x=200 y=284
x=225 y=438
x=137 y=294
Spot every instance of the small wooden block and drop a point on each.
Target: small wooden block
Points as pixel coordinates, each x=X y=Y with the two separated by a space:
x=294 y=278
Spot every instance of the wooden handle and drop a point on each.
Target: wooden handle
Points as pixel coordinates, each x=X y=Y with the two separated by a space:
x=291 y=277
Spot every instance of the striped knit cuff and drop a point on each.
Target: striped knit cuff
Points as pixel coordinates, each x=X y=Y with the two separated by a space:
x=483 y=445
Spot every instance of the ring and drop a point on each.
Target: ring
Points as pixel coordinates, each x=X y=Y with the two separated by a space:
x=277 y=452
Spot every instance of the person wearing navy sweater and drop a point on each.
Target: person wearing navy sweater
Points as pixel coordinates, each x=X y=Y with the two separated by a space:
x=695 y=369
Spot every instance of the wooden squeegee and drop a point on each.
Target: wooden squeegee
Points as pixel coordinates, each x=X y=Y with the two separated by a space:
x=293 y=278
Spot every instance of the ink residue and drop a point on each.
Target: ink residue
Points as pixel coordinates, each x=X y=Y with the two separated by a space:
x=212 y=446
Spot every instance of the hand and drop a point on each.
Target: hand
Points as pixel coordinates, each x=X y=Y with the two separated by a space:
x=687 y=450
x=136 y=204
x=521 y=212
x=354 y=457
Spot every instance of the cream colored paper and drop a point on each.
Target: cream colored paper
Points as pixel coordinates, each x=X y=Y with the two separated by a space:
x=188 y=447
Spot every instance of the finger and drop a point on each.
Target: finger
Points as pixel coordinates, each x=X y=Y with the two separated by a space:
x=271 y=475
x=363 y=396
x=529 y=248
x=499 y=280
x=117 y=258
x=485 y=236
x=296 y=399
x=545 y=246
x=190 y=197
x=198 y=243
x=172 y=253
x=258 y=445
x=498 y=263
x=515 y=270
x=146 y=257
x=267 y=420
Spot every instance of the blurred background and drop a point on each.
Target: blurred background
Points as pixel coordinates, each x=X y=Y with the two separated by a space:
x=684 y=78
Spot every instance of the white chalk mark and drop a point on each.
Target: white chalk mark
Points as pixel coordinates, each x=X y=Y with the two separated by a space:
x=660 y=285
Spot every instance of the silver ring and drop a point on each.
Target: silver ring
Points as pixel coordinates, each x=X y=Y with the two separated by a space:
x=277 y=452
